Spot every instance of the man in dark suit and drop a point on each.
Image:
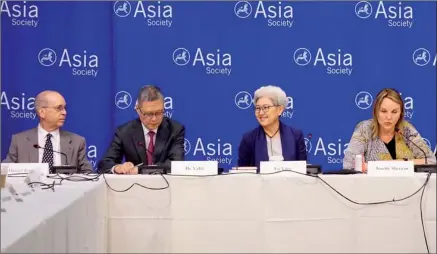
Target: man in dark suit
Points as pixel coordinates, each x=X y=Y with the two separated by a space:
x=37 y=145
x=151 y=139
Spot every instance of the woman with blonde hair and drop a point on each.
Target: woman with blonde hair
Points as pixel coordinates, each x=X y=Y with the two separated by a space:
x=387 y=136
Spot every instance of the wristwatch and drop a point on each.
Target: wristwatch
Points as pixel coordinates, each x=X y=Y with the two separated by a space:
x=405 y=159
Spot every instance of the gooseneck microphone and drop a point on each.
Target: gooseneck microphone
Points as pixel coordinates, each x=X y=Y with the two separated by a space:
x=40 y=147
x=144 y=146
x=399 y=131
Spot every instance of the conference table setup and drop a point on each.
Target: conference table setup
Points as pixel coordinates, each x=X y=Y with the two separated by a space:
x=238 y=211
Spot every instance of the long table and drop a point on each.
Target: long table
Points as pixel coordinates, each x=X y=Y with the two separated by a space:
x=240 y=213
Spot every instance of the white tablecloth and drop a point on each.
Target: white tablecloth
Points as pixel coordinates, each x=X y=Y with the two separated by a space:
x=71 y=219
x=276 y=213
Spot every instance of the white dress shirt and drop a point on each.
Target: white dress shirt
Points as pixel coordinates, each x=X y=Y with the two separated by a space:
x=147 y=137
x=56 y=142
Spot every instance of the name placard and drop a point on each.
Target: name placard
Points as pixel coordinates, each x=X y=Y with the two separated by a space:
x=194 y=168
x=268 y=167
x=26 y=168
x=390 y=168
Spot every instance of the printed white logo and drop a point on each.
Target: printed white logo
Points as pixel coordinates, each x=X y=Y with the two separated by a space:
x=243 y=100
x=187 y=146
x=276 y=13
x=81 y=63
x=421 y=57
x=396 y=15
x=214 y=63
x=427 y=142
x=154 y=13
x=22 y=107
x=332 y=151
x=335 y=63
x=243 y=9
x=21 y=13
x=363 y=100
x=47 y=57
x=308 y=145
x=123 y=100
x=92 y=155
x=302 y=56
x=211 y=151
x=122 y=8
x=363 y=9
x=181 y=56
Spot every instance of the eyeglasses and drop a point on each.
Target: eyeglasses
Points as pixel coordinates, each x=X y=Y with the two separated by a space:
x=264 y=108
x=151 y=114
x=58 y=108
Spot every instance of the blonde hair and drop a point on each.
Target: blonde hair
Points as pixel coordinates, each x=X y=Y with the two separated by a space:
x=393 y=95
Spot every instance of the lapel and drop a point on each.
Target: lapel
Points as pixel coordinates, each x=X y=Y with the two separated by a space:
x=287 y=141
x=261 y=146
x=32 y=137
x=139 y=140
x=66 y=147
x=161 y=139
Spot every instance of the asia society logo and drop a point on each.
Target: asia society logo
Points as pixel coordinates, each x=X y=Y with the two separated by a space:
x=20 y=13
x=308 y=145
x=422 y=57
x=154 y=14
x=81 y=63
x=123 y=100
x=363 y=100
x=276 y=13
x=363 y=9
x=20 y=107
x=396 y=14
x=187 y=146
x=212 y=151
x=243 y=100
x=213 y=62
x=335 y=63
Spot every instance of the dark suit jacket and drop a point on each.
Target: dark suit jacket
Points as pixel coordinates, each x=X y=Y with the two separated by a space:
x=129 y=141
x=21 y=149
x=253 y=146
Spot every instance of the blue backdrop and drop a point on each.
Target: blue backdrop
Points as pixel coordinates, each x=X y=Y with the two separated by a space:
x=331 y=58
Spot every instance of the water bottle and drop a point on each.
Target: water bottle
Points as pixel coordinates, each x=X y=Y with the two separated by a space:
x=359 y=163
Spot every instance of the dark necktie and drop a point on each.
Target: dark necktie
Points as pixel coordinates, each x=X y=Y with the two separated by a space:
x=150 y=148
x=47 y=156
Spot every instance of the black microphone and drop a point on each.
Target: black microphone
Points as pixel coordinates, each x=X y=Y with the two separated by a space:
x=64 y=169
x=152 y=169
x=40 y=147
x=399 y=131
x=144 y=146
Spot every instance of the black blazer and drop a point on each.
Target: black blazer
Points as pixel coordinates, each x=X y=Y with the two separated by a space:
x=129 y=142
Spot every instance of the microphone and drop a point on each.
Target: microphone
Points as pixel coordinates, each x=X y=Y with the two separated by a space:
x=400 y=132
x=151 y=169
x=144 y=146
x=64 y=169
x=40 y=147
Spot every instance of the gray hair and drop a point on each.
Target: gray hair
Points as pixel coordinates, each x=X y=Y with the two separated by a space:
x=149 y=93
x=274 y=93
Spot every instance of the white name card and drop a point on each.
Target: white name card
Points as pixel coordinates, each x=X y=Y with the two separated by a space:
x=194 y=168
x=268 y=167
x=26 y=168
x=390 y=168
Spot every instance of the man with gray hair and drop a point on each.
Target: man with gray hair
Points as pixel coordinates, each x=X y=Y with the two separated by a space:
x=151 y=139
x=46 y=142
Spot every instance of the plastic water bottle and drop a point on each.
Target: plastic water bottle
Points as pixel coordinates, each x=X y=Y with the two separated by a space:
x=359 y=163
